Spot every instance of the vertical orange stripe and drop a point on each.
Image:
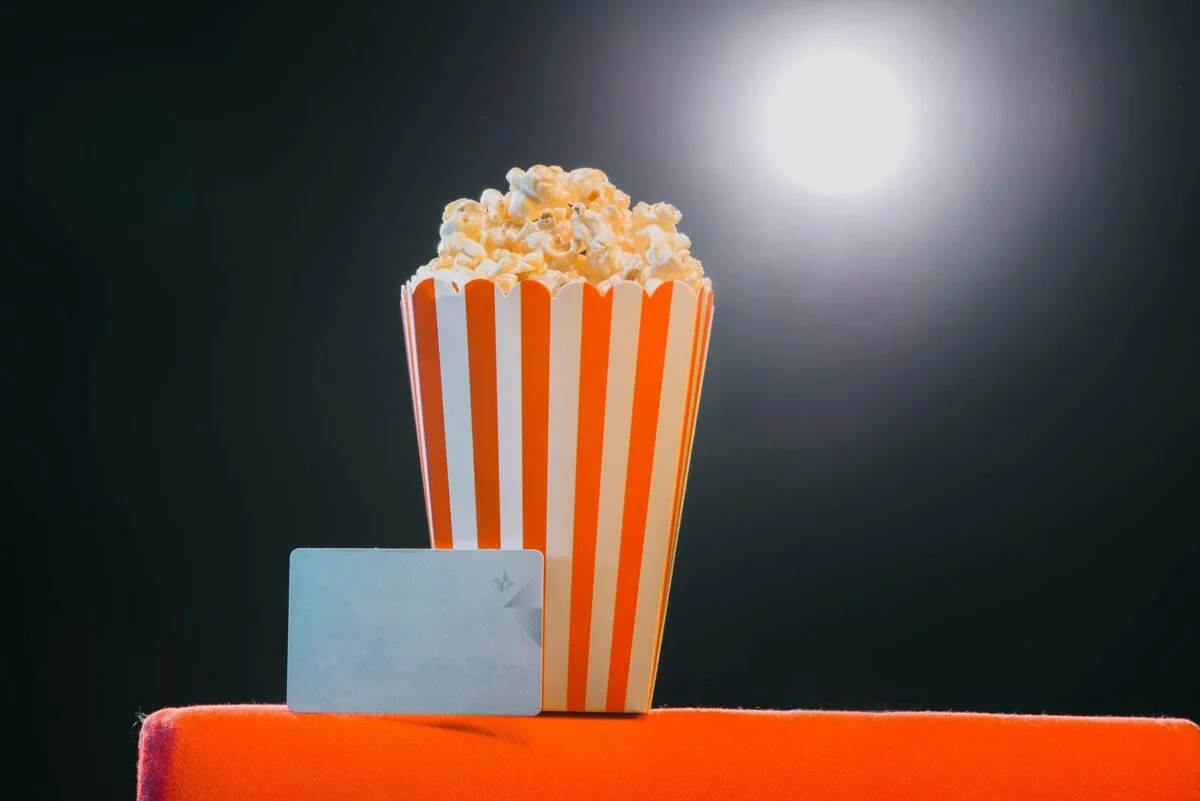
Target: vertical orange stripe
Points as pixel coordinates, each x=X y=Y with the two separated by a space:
x=699 y=353
x=706 y=311
x=426 y=337
x=593 y=388
x=647 y=393
x=535 y=411
x=694 y=409
x=410 y=354
x=680 y=466
x=693 y=379
x=481 y=359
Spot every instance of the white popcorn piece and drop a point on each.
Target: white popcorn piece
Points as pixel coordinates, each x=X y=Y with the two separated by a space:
x=506 y=282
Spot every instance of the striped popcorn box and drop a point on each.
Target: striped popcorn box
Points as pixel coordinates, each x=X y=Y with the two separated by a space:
x=564 y=424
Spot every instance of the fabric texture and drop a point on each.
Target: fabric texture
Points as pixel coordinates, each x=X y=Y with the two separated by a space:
x=265 y=753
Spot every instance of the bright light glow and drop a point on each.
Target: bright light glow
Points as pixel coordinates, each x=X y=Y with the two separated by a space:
x=837 y=123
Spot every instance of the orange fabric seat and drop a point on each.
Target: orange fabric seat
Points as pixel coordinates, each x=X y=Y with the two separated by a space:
x=264 y=753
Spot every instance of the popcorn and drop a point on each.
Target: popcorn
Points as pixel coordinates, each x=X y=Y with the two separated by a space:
x=554 y=279
x=462 y=251
x=462 y=216
x=664 y=215
x=557 y=227
x=608 y=283
x=591 y=228
x=558 y=250
x=588 y=185
x=534 y=190
x=506 y=282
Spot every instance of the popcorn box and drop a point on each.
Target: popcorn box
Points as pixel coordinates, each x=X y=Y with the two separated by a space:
x=564 y=423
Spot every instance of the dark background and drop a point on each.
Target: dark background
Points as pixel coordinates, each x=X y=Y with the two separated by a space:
x=947 y=447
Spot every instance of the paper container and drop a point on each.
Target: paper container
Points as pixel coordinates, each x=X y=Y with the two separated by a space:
x=565 y=424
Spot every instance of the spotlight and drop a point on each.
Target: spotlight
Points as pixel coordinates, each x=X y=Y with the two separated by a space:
x=837 y=123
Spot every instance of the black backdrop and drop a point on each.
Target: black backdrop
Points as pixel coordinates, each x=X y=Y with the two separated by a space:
x=946 y=453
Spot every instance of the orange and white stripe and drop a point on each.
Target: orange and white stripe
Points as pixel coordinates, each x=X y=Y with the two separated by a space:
x=565 y=424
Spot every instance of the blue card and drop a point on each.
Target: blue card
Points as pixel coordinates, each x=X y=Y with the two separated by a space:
x=418 y=632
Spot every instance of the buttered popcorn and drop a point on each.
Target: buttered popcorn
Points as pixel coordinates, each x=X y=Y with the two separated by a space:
x=557 y=227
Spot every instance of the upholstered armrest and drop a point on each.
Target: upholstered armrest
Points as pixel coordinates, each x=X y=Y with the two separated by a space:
x=262 y=753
